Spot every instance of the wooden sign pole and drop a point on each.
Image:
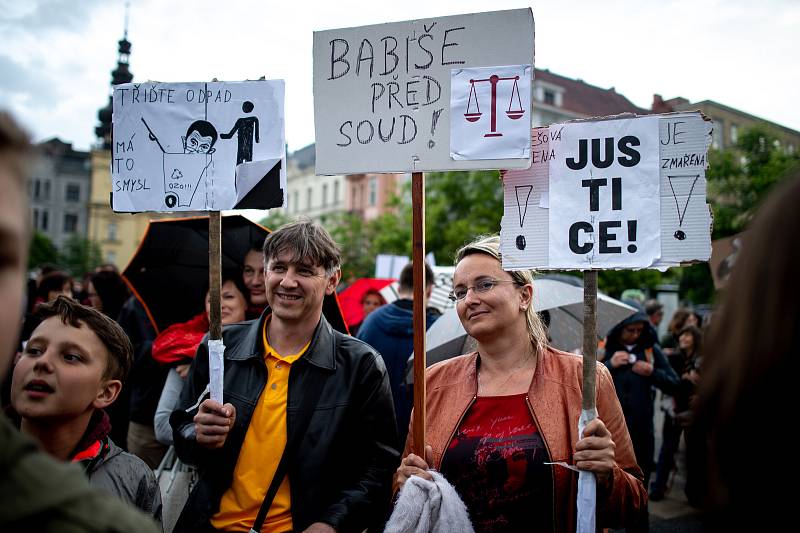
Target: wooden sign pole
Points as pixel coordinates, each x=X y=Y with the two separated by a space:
x=589 y=337
x=214 y=268
x=418 y=258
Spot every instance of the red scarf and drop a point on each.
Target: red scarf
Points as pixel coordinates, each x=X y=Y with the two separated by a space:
x=180 y=341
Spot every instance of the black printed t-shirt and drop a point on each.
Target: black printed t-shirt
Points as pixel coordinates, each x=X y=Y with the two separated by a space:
x=496 y=463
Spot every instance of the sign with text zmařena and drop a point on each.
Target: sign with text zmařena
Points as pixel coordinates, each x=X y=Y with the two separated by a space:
x=198 y=146
x=621 y=192
x=389 y=97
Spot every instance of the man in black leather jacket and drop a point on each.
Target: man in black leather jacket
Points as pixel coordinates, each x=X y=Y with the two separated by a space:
x=340 y=469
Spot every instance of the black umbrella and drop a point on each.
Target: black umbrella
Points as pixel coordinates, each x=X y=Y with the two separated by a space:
x=169 y=271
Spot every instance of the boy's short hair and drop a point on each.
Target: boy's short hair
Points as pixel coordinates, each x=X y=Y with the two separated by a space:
x=406 y=282
x=305 y=241
x=120 y=350
x=204 y=128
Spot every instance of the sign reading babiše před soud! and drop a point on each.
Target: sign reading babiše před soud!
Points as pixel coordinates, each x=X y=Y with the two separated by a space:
x=445 y=93
x=198 y=146
x=611 y=193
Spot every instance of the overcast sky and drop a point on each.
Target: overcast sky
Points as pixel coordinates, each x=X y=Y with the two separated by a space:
x=57 y=55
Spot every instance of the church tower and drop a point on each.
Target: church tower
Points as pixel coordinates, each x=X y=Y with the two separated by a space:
x=117 y=234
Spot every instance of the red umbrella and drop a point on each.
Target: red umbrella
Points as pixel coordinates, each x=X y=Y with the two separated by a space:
x=350 y=298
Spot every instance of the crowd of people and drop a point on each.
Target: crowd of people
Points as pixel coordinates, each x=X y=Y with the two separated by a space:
x=309 y=435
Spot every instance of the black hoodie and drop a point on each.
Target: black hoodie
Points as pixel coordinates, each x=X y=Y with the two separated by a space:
x=635 y=392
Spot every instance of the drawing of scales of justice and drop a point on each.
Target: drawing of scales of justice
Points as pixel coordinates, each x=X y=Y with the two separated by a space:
x=512 y=113
x=183 y=172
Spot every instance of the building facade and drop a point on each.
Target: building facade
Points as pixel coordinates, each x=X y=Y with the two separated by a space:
x=310 y=195
x=368 y=195
x=557 y=98
x=728 y=122
x=58 y=187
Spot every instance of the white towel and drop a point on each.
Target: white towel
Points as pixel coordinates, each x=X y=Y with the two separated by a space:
x=429 y=507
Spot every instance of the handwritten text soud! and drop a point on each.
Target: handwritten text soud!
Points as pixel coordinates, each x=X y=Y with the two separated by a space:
x=398 y=72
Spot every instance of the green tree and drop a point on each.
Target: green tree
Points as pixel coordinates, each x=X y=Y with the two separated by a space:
x=42 y=250
x=356 y=240
x=459 y=207
x=275 y=219
x=80 y=255
x=738 y=180
x=741 y=177
x=613 y=282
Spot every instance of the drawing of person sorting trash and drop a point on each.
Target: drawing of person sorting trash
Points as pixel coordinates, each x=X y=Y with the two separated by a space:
x=183 y=171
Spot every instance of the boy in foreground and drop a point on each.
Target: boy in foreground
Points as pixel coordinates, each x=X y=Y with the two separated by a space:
x=71 y=369
x=37 y=493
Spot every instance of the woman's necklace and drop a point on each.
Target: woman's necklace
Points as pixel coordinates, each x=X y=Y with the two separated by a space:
x=511 y=374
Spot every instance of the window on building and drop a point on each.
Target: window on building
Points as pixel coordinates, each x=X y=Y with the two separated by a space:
x=549 y=98
x=46 y=192
x=296 y=201
x=335 y=193
x=70 y=223
x=73 y=192
x=111 y=257
x=308 y=199
x=373 y=190
x=45 y=221
x=716 y=137
x=36 y=219
x=324 y=195
x=734 y=133
x=37 y=189
x=112 y=231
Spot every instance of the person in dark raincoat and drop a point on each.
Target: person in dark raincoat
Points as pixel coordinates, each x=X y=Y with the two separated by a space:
x=637 y=365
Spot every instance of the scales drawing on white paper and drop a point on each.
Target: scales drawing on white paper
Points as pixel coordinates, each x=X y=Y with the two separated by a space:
x=198 y=146
x=490 y=112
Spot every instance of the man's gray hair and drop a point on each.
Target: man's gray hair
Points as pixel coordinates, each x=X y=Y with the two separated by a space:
x=306 y=242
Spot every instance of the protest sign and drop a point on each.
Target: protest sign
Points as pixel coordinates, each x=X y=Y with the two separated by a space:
x=382 y=93
x=502 y=134
x=198 y=146
x=610 y=193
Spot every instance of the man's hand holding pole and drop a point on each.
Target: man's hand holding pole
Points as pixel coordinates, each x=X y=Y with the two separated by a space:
x=213 y=422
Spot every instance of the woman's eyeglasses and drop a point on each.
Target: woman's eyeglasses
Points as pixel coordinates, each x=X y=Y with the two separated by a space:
x=484 y=285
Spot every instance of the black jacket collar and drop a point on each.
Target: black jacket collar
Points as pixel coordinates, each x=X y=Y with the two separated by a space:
x=321 y=353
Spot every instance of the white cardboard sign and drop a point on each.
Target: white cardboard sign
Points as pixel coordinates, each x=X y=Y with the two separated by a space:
x=499 y=129
x=382 y=92
x=604 y=208
x=198 y=146
x=650 y=212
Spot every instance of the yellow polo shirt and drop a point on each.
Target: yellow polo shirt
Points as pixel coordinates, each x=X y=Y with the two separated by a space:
x=260 y=454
